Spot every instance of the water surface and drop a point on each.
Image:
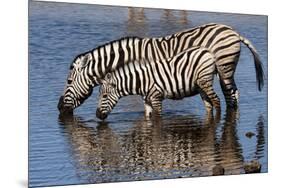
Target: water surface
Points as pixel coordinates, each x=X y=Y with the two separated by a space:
x=183 y=143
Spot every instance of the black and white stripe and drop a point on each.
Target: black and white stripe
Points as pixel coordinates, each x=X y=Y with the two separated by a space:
x=221 y=40
x=186 y=74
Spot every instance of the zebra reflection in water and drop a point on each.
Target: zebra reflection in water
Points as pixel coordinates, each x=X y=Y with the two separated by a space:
x=138 y=23
x=177 y=146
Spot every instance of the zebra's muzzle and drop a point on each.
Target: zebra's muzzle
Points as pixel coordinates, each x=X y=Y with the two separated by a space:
x=100 y=115
x=64 y=108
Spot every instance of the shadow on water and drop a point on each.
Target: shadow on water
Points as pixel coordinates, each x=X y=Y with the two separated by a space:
x=169 y=147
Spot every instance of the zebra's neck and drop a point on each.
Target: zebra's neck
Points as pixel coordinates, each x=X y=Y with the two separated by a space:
x=114 y=54
x=108 y=57
x=134 y=78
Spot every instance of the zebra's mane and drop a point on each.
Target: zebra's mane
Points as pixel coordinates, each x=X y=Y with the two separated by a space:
x=117 y=40
x=108 y=43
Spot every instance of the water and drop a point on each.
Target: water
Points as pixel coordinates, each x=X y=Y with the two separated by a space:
x=183 y=143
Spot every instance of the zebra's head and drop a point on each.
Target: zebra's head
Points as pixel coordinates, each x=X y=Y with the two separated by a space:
x=108 y=97
x=79 y=84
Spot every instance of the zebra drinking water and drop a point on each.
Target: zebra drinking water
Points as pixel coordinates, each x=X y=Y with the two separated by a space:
x=88 y=68
x=189 y=73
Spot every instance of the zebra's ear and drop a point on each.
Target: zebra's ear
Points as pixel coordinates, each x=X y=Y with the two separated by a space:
x=86 y=60
x=108 y=77
x=98 y=80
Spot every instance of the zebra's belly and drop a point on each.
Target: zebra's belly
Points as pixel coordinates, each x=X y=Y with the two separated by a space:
x=180 y=94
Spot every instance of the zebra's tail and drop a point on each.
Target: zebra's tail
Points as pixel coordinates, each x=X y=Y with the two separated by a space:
x=258 y=63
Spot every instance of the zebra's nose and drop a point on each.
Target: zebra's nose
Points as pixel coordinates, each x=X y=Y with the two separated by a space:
x=100 y=115
x=60 y=104
x=64 y=109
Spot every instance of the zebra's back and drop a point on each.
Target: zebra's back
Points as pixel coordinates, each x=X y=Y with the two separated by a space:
x=219 y=39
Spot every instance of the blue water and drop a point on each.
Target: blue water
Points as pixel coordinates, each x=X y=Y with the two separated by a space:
x=183 y=143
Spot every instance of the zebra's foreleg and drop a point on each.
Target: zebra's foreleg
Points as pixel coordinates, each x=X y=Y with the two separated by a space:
x=153 y=102
x=148 y=109
x=210 y=96
x=157 y=106
x=152 y=106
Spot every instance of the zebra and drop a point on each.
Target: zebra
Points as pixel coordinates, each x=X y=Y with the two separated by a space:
x=188 y=73
x=89 y=67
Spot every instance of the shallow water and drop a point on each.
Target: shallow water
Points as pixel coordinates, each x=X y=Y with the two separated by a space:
x=183 y=143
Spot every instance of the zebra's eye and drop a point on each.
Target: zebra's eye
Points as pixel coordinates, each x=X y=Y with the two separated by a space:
x=113 y=85
x=69 y=81
x=104 y=96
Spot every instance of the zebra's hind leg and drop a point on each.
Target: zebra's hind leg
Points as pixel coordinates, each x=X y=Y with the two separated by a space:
x=226 y=68
x=207 y=102
x=209 y=96
x=230 y=92
x=209 y=108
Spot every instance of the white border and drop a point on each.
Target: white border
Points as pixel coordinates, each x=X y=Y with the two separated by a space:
x=14 y=92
